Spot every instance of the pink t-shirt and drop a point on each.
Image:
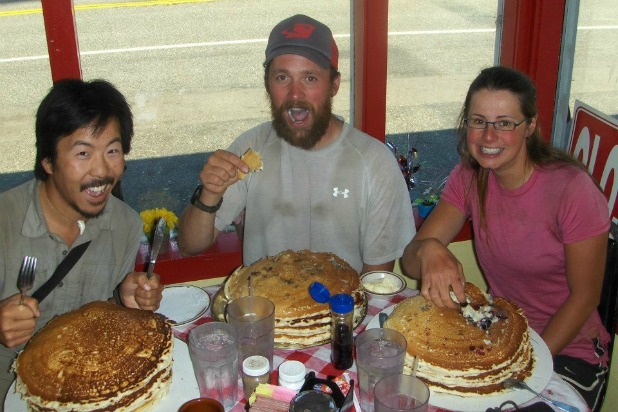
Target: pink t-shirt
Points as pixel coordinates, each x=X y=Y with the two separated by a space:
x=523 y=258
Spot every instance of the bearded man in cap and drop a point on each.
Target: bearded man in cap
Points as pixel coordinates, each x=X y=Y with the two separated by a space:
x=324 y=186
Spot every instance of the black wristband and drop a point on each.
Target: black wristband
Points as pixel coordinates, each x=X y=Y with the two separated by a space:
x=195 y=201
x=116 y=295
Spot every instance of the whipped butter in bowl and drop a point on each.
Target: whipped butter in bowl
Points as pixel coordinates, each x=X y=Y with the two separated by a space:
x=382 y=284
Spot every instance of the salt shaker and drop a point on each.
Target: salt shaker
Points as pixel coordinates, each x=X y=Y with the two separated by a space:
x=342 y=313
x=255 y=370
x=292 y=374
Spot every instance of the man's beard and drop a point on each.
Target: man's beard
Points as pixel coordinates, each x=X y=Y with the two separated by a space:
x=87 y=215
x=305 y=138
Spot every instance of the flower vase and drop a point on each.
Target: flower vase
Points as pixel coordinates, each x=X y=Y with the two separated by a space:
x=424 y=209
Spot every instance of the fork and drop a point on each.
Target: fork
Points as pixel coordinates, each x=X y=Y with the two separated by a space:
x=25 y=280
x=515 y=383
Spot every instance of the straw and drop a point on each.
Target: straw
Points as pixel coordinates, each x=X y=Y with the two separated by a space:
x=414 y=369
x=250 y=286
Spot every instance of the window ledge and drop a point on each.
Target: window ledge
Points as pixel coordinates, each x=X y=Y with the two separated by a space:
x=219 y=260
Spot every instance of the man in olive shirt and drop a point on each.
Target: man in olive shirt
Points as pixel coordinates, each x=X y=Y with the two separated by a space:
x=83 y=130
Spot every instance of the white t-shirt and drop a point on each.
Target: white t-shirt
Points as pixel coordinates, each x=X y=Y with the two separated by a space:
x=348 y=198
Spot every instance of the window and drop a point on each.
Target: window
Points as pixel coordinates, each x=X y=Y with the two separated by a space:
x=435 y=50
x=595 y=69
x=191 y=71
x=25 y=74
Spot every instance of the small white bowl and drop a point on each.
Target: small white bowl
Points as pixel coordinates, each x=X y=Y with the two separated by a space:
x=382 y=284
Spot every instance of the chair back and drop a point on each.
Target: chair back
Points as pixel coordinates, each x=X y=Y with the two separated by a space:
x=607 y=308
x=607 y=304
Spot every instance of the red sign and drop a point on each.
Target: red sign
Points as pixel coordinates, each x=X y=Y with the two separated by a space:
x=594 y=142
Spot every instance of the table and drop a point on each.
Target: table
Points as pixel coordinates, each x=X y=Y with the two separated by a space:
x=317 y=358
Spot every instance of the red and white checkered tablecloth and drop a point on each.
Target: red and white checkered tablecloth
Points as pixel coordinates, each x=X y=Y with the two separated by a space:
x=317 y=358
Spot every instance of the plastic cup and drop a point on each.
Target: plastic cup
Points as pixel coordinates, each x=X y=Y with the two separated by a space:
x=379 y=353
x=254 y=319
x=213 y=348
x=401 y=393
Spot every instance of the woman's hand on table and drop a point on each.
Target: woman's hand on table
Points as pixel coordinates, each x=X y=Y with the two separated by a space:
x=427 y=257
x=441 y=273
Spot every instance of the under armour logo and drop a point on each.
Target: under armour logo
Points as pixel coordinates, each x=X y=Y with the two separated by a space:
x=299 y=31
x=337 y=192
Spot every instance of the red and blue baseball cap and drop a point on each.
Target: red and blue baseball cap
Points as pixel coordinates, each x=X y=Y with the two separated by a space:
x=305 y=37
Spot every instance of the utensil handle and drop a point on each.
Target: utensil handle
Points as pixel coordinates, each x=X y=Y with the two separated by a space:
x=150 y=270
x=382 y=318
x=561 y=405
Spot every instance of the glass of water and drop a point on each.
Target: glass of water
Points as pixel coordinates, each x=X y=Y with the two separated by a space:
x=379 y=353
x=213 y=348
x=401 y=393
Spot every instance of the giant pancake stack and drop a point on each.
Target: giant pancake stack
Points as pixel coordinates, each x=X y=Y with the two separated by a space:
x=284 y=279
x=100 y=357
x=465 y=353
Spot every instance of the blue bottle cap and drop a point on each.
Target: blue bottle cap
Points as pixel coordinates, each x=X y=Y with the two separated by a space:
x=319 y=292
x=342 y=303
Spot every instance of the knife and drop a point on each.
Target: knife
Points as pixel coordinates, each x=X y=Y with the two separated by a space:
x=156 y=245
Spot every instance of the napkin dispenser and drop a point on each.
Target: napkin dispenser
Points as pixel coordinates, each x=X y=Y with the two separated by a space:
x=343 y=401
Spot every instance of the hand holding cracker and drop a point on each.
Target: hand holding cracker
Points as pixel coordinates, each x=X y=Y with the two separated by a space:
x=253 y=159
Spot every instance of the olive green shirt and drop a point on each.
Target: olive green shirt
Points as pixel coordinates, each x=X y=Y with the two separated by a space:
x=115 y=236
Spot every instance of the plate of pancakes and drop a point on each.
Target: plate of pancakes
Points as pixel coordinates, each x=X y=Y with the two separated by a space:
x=300 y=321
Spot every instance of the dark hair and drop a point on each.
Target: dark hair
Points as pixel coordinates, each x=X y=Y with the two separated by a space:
x=74 y=104
x=539 y=152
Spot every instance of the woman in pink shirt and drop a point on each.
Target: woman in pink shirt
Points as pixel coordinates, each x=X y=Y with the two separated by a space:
x=540 y=227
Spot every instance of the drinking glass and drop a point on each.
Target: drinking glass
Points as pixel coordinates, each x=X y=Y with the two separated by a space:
x=379 y=352
x=254 y=319
x=213 y=348
x=401 y=393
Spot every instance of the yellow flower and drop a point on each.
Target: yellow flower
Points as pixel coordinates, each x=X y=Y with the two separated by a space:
x=150 y=218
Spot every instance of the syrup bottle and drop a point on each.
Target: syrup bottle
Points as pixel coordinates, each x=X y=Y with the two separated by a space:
x=342 y=313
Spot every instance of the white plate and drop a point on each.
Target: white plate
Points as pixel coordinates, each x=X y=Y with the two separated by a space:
x=183 y=387
x=541 y=375
x=183 y=304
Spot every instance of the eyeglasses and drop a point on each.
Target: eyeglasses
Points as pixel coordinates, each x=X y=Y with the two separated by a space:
x=501 y=125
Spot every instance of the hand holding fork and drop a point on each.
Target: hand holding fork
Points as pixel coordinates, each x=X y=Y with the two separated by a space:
x=25 y=280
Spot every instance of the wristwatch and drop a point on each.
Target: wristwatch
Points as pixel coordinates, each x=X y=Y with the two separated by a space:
x=195 y=201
